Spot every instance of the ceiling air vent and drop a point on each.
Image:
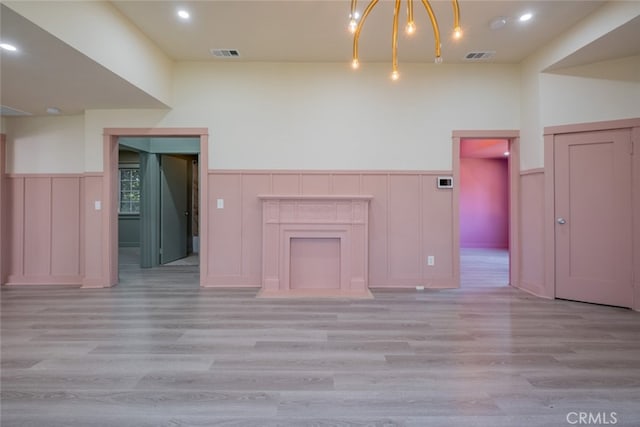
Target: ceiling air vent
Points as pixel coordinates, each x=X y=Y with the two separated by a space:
x=480 y=56
x=225 y=53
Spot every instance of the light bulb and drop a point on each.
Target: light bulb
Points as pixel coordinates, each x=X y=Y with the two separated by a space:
x=183 y=14
x=353 y=25
x=410 y=28
x=355 y=64
x=457 y=33
x=395 y=75
x=438 y=60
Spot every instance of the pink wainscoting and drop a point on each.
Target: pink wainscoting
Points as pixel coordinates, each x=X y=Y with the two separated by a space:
x=484 y=203
x=93 y=232
x=44 y=223
x=532 y=232
x=635 y=188
x=409 y=219
x=4 y=250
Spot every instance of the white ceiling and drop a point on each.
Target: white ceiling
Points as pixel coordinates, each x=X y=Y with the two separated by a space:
x=51 y=73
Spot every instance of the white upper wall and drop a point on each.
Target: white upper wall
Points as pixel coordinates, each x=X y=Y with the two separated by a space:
x=552 y=99
x=326 y=116
x=45 y=144
x=102 y=33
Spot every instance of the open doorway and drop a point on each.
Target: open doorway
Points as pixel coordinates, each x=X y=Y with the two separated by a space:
x=154 y=152
x=158 y=203
x=486 y=171
x=484 y=212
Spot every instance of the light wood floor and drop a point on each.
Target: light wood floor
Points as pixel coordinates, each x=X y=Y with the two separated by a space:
x=484 y=267
x=158 y=351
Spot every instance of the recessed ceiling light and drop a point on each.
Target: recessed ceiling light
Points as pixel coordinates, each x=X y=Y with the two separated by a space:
x=183 y=14
x=53 y=110
x=525 y=17
x=9 y=47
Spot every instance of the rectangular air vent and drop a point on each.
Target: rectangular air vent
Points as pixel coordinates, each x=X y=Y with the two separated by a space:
x=480 y=56
x=225 y=53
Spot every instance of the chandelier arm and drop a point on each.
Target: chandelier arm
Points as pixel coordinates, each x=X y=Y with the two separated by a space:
x=434 y=24
x=356 y=35
x=456 y=14
x=353 y=9
x=394 y=37
x=409 y=11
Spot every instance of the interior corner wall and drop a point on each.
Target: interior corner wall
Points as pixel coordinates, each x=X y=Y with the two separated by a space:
x=484 y=203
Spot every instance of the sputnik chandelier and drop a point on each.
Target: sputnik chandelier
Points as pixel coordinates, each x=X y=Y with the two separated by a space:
x=355 y=27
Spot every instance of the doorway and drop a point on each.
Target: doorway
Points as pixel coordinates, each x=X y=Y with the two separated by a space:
x=197 y=138
x=158 y=204
x=484 y=212
x=485 y=207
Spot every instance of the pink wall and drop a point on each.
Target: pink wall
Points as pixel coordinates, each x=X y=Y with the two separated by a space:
x=532 y=232
x=484 y=203
x=409 y=219
x=44 y=218
x=635 y=188
x=4 y=250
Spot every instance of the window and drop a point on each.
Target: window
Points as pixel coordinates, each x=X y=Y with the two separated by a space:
x=129 y=193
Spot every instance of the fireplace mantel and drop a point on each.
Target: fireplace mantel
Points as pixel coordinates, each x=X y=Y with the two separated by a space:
x=320 y=233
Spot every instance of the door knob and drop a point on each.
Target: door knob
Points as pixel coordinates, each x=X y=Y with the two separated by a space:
x=561 y=221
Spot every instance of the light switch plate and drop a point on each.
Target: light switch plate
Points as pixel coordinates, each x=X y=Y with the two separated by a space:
x=97 y=205
x=220 y=203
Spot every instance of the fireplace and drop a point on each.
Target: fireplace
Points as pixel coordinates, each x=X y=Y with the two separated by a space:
x=315 y=246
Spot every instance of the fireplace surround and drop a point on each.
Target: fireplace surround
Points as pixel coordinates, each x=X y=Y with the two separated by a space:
x=315 y=246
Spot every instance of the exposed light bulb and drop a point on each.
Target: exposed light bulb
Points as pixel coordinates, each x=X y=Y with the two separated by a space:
x=457 y=33
x=395 y=75
x=183 y=14
x=410 y=28
x=438 y=60
x=355 y=64
x=353 y=25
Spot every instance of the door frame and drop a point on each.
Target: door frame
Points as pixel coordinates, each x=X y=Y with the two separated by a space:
x=513 y=138
x=550 y=133
x=4 y=245
x=110 y=188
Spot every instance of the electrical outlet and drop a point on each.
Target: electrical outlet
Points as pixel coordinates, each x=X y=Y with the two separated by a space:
x=431 y=260
x=220 y=203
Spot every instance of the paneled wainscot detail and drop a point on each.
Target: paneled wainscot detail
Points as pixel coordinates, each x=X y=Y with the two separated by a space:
x=315 y=246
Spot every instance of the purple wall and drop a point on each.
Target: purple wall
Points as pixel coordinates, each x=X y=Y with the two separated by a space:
x=484 y=203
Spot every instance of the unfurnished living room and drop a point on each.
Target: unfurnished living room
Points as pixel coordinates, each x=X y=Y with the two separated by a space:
x=320 y=213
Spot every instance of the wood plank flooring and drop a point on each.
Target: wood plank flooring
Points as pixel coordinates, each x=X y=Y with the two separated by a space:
x=159 y=351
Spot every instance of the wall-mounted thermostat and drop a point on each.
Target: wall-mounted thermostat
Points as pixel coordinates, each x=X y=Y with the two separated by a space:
x=445 y=182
